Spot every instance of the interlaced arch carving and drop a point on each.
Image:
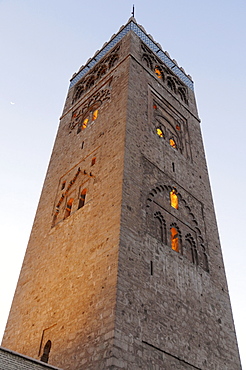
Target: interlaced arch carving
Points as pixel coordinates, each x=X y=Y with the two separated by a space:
x=181 y=221
x=113 y=60
x=92 y=104
x=90 y=82
x=182 y=94
x=102 y=71
x=161 y=228
x=190 y=249
x=171 y=127
x=169 y=130
x=147 y=60
x=96 y=73
x=79 y=92
x=164 y=74
x=171 y=83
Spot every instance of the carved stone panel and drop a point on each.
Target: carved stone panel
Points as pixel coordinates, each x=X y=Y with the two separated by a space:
x=169 y=124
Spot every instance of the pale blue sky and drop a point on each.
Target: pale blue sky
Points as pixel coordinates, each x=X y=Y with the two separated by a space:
x=44 y=42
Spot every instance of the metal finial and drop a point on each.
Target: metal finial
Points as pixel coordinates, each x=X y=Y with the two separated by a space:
x=133 y=10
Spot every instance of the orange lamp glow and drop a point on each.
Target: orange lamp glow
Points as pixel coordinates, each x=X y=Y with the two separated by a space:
x=158 y=72
x=159 y=132
x=174 y=239
x=95 y=115
x=172 y=143
x=68 y=208
x=174 y=199
x=85 y=122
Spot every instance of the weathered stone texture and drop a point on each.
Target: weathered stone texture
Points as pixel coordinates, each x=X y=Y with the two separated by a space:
x=179 y=312
x=104 y=284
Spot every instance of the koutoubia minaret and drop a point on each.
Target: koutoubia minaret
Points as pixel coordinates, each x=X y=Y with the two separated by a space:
x=124 y=267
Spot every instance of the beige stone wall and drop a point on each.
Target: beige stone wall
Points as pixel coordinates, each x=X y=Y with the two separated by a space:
x=103 y=285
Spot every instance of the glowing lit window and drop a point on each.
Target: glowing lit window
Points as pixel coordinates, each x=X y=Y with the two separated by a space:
x=158 y=72
x=95 y=115
x=68 y=208
x=172 y=143
x=85 y=123
x=82 y=199
x=159 y=132
x=155 y=106
x=174 y=199
x=174 y=239
x=178 y=127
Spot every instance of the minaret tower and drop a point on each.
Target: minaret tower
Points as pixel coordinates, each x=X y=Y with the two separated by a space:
x=124 y=268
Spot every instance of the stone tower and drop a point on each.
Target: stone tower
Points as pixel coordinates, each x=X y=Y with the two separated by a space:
x=124 y=269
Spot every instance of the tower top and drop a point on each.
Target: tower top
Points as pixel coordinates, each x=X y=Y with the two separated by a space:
x=155 y=47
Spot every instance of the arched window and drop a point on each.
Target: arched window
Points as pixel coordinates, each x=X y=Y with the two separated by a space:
x=68 y=208
x=188 y=250
x=182 y=94
x=158 y=72
x=159 y=132
x=82 y=198
x=95 y=115
x=79 y=92
x=204 y=259
x=113 y=61
x=171 y=84
x=191 y=250
x=102 y=71
x=160 y=227
x=174 y=199
x=172 y=142
x=175 y=239
x=147 y=61
x=46 y=352
x=90 y=82
x=85 y=123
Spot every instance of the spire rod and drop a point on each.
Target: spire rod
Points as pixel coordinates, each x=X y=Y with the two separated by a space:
x=133 y=10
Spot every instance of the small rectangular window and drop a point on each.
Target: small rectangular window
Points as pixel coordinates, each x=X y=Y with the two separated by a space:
x=68 y=208
x=82 y=198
